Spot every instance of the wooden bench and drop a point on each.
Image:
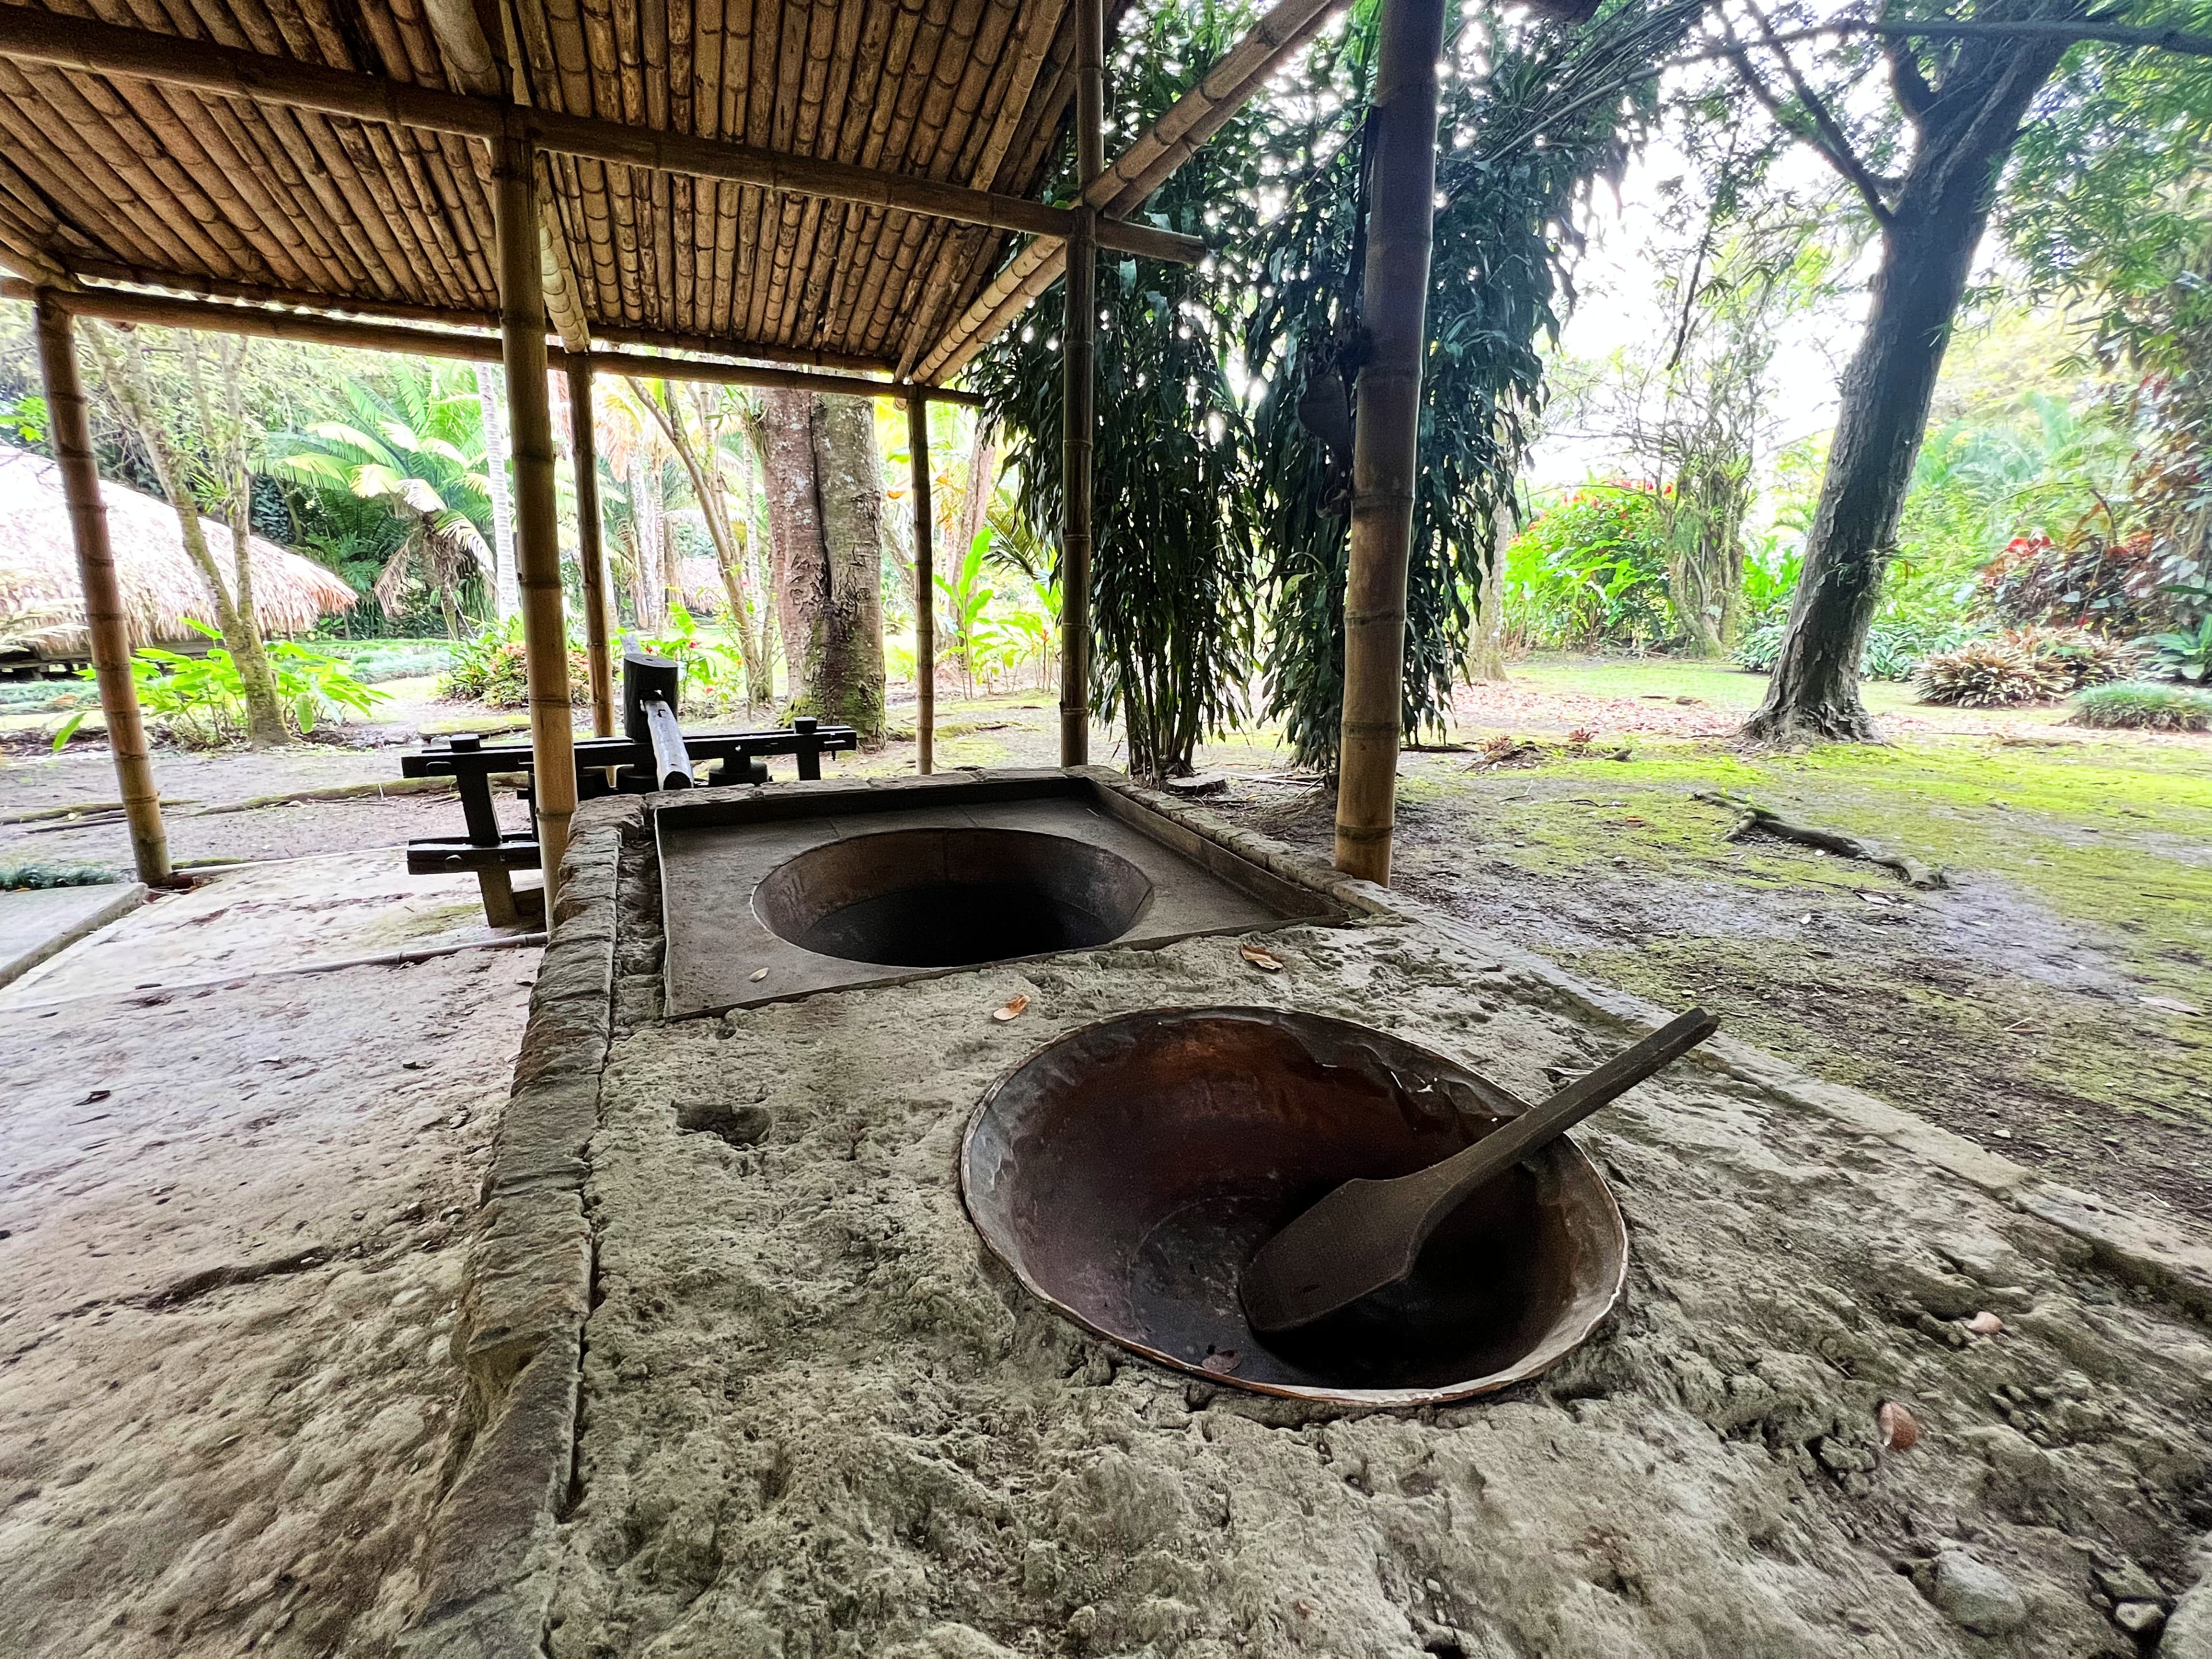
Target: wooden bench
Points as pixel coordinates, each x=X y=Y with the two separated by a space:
x=655 y=754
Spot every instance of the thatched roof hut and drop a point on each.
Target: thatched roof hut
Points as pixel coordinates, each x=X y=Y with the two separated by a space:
x=42 y=607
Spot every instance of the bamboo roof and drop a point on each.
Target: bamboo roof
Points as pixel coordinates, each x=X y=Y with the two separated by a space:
x=42 y=606
x=164 y=179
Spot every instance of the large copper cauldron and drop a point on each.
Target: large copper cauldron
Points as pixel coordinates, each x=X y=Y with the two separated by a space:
x=1129 y=1170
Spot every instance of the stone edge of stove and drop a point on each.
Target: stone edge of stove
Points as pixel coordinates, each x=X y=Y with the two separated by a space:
x=1296 y=901
x=489 y=1571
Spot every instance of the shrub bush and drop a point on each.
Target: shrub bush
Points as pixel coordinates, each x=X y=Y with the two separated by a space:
x=2083 y=657
x=201 y=701
x=2122 y=587
x=2144 y=706
x=1987 y=674
x=492 y=670
x=1592 y=570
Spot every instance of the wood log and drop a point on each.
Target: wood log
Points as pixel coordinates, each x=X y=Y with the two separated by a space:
x=1386 y=451
x=925 y=590
x=1756 y=820
x=1079 y=336
x=103 y=593
x=538 y=531
x=591 y=561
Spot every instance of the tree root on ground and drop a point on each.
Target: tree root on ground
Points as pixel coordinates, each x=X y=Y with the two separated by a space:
x=1757 y=820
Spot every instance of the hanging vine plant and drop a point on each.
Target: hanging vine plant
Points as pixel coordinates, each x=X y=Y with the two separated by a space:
x=1222 y=520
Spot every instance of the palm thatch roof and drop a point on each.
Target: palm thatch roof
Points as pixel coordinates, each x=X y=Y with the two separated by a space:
x=42 y=606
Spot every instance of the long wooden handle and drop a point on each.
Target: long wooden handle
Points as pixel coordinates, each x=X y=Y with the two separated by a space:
x=1446 y=1183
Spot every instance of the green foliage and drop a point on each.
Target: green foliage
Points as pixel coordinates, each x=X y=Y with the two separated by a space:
x=1175 y=542
x=23 y=420
x=2145 y=707
x=1532 y=112
x=21 y=874
x=397 y=484
x=712 y=670
x=1591 y=571
x=2185 y=653
x=492 y=669
x=376 y=660
x=202 y=699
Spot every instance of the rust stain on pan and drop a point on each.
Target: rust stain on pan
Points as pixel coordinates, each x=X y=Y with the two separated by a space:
x=1126 y=1172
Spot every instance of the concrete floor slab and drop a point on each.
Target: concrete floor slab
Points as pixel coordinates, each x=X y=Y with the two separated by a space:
x=42 y=922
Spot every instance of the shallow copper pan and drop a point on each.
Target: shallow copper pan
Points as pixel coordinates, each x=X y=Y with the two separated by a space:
x=1126 y=1171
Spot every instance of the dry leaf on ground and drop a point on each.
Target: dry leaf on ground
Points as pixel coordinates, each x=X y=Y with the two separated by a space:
x=1986 y=1323
x=759 y=974
x=1224 y=1362
x=1261 y=959
x=1901 y=1430
x=1014 y=1007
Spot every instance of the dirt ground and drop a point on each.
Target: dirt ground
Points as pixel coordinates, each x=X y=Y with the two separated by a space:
x=819 y=1420
x=232 y=1198
x=2038 y=1004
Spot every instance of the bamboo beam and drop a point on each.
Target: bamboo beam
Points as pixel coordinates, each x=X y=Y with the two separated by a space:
x=1147 y=164
x=1080 y=393
x=925 y=589
x=590 y=559
x=537 y=528
x=1386 y=425
x=220 y=317
x=32 y=35
x=103 y=593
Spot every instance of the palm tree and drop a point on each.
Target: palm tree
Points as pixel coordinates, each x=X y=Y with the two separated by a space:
x=416 y=447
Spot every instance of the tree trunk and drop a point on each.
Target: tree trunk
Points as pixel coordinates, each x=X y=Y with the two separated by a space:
x=507 y=594
x=784 y=438
x=649 y=565
x=1967 y=129
x=264 y=710
x=975 y=509
x=1485 y=648
x=125 y=373
x=849 y=473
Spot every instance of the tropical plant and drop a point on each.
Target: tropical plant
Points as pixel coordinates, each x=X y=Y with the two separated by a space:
x=962 y=597
x=1987 y=674
x=2145 y=707
x=1592 y=570
x=1531 y=114
x=2185 y=653
x=413 y=447
x=492 y=668
x=202 y=699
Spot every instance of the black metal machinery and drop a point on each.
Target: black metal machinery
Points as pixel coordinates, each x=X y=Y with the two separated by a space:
x=654 y=754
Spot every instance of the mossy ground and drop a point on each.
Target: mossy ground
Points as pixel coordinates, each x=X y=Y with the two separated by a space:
x=2012 y=1005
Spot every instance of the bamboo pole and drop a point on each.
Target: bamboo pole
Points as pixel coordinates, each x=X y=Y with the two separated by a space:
x=925 y=589
x=538 y=533
x=590 y=559
x=103 y=593
x=33 y=36
x=223 y=317
x=1385 y=456
x=1079 y=390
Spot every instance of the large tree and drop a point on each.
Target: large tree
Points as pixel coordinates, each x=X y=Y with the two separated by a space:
x=825 y=497
x=222 y=464
x=1927 y=171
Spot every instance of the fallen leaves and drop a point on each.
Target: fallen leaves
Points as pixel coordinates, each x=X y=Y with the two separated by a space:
x=1222 y=1362
x=1013 y=1008
x=1264 y=960
x=1901 y=1430
x=1986 y=1323
x=758 y=974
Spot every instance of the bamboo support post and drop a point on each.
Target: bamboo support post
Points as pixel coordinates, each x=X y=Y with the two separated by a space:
x=925 y=589
x=103 y=593
x=1079 y=347
x=538 y=535
x=1401 y=222
x=590 y=559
